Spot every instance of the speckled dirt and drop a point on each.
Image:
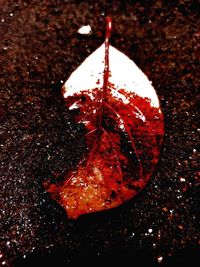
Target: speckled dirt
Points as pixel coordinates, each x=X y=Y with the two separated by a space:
x=39 y=48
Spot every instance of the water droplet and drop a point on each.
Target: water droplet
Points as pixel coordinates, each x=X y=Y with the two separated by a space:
x=159 y=259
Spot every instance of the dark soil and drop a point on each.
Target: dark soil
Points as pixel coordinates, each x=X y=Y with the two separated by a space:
x=39 y=48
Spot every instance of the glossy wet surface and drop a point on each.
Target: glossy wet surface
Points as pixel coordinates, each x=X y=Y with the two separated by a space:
x=40 y=47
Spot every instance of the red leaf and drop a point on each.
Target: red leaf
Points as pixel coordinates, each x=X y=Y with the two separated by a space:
x=124 y=129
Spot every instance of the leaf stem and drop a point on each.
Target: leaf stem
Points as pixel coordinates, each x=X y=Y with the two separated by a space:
x=103 y=92
x=106 y=68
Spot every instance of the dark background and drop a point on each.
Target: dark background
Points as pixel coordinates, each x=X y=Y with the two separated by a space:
x=39 y=49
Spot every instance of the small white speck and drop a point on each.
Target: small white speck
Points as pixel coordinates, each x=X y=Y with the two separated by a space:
x=194 y=150
x=121 y=126
x=1 y=255
x=2 y=20
x=61 y=81
x=182 y=179
x=159 y=259
x=150 y=230
x=11 y=14
x=85 y=29
x=3 y=263
x=8 y=243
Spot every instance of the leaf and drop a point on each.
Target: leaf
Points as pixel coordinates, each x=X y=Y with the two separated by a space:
x=120 y=111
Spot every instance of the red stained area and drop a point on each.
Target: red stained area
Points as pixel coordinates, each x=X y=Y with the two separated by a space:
x=123 y=143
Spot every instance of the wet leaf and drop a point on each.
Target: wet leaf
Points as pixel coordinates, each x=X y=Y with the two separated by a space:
x=119 y=109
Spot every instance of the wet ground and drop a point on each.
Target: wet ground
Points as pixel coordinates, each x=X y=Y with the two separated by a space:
x=40 y=46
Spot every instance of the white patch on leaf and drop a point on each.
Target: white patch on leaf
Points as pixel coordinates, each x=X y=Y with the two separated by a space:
x=124 y=75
